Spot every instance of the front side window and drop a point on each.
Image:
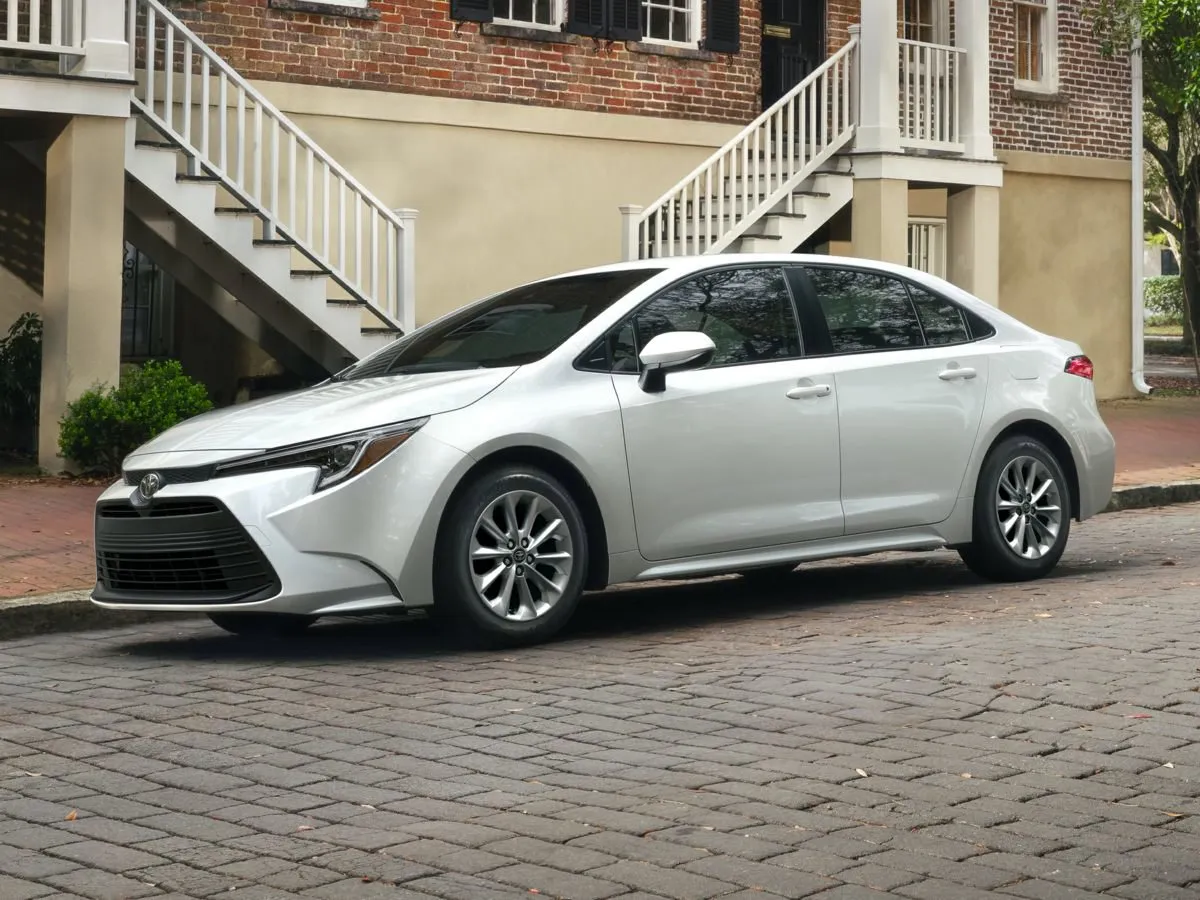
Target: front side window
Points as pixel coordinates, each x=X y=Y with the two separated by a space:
x=676 y=21
x=543 y=13
x=747 y=313
x=514 y=328
x=864 y=311
x=1036 y=40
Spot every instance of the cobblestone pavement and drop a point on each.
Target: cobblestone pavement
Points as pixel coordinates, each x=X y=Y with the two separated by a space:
x=889 y=727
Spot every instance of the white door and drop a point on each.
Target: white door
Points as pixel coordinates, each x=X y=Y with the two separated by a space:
x=744 y=453
x=911 y=385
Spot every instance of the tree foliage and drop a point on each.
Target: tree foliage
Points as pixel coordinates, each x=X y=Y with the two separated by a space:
x=1169 y=31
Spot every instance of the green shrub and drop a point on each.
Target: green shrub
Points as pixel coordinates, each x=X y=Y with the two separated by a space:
x=21 y=371
x=1164 y=300
x=106 y=424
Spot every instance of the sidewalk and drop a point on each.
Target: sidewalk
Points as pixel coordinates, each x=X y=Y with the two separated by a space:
x=46 y=527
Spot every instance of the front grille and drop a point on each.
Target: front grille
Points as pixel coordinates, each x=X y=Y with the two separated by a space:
x=178 y=551
x=194 y=475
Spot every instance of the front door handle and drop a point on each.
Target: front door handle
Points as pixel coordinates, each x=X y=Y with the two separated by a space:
x=809 y=390
x=956 y=374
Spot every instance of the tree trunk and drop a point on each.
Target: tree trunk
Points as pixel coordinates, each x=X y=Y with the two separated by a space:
x=1190 y=269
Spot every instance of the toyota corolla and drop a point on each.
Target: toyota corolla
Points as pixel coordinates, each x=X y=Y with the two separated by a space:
x=649 y=420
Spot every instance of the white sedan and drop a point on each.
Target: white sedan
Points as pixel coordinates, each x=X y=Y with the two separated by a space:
x=657 y=419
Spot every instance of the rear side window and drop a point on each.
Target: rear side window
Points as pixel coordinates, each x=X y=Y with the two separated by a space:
x=942 y=321
x=865 y=312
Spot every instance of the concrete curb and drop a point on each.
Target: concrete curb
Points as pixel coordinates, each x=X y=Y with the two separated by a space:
x=67 y=611
x=72 y=611
x=1145 y=496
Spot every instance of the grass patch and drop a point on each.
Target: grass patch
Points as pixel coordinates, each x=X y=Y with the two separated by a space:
x=1165 y=331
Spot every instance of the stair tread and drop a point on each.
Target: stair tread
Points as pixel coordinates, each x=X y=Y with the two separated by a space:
x=198 y=178
x=156 y=145
x=309 y=273
x=236 y=211
x=272 y=242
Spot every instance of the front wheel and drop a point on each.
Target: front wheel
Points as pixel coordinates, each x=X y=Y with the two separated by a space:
x=512 y=558
x=262 y=624
x=1022 y=515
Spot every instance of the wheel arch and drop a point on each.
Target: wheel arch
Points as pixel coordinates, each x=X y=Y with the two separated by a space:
x=1055 y=443
x=572 y=480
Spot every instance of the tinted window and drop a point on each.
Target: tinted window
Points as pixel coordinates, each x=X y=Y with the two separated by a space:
x=942 y=321
x=514 y=328
x=864 y=311
x=747 y=313
x=980 y=327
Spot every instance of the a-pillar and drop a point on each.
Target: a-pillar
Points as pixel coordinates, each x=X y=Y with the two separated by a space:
x=81 y=293
x=879 y=220
x=973 y=241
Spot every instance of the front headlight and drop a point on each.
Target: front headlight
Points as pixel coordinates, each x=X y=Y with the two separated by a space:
x=336 y=459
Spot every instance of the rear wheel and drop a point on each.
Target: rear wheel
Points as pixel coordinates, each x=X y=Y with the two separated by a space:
x=512 y=558
x=262 y=624
x=1022 y=515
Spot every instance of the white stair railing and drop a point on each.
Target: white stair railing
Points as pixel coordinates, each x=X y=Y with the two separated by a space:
x=756 y=170
x=929 y=95
x=229 y=130
x=50 y=27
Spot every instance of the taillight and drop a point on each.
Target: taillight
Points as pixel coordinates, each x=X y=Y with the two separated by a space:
x=1081 y=366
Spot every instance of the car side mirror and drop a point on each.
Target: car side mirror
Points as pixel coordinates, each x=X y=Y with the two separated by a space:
x=675 y=351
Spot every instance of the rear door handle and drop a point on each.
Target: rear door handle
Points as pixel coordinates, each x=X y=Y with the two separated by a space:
x=809 y=390
x=956 y=374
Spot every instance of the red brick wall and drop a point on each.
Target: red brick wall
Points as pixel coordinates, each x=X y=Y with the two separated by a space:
x=1091 y=116
x=415 y=47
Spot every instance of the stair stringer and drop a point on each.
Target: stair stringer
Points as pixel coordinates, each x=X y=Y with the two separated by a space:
x=824 y=196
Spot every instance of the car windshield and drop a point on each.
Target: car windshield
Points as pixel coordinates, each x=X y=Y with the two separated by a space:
x=513 y=328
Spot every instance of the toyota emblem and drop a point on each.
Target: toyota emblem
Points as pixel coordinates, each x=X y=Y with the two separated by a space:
x=150 y=485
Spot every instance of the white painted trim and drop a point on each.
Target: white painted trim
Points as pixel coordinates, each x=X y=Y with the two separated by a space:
x=355 y=4
x=1048 y=84
x=65 y=96
x=967 y=172
x=935 y=233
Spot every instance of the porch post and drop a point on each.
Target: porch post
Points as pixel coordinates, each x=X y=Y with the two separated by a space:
x=105 y=43
x=973 y=241
x=974 y=98
x=879 y=78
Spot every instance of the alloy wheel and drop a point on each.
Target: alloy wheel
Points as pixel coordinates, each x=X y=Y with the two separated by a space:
x=1029 y=507
x=521 y=556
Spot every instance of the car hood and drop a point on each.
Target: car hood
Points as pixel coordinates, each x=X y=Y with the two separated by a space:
x=327 y=410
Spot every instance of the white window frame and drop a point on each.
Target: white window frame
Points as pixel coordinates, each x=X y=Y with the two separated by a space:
x=694 y=24
x=353 y=4
x=927 y=239
x=557 y=13
x=1048 y=83
x=941 y=23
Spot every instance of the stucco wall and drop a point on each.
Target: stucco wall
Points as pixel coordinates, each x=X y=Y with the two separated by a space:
x=1065 y=264
x=16 y=298
x=505 y=193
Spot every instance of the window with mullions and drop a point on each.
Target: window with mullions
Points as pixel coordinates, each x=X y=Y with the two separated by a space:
x=539 y=13
x=675 y=21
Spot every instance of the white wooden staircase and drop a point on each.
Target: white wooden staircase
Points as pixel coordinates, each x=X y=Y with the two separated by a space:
x=771 y=187
x=223 y=185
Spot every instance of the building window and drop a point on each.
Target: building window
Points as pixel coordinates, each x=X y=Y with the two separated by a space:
x=536 y=13
x=673 y=21
x=927 y=246
x=924 y=21
x=1037 y=35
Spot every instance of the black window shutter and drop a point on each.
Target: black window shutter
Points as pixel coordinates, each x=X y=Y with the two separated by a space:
x=471 y=10
x=625 y=20
x=724 y=26
x=585 y=17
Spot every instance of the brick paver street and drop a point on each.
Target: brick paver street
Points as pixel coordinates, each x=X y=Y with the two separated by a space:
x=888 y=727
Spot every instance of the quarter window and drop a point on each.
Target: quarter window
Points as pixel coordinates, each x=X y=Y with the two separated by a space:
x=542 y=13
x=676 y=21
x=865 y=312
x=942 y=321
x=747 y=312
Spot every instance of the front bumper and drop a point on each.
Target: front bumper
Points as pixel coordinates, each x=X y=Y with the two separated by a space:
x=266 y=542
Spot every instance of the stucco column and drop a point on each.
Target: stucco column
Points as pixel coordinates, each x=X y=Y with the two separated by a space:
x=81 y=292
x=973 y=241
x=879 y=220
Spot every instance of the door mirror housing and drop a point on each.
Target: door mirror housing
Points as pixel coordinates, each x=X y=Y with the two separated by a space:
x=675 y=351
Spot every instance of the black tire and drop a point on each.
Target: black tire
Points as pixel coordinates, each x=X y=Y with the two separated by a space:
x=989 y=554
x=262 y=624
x=456 y=601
